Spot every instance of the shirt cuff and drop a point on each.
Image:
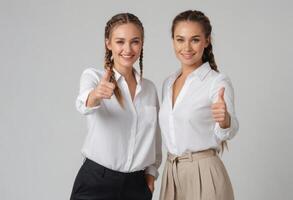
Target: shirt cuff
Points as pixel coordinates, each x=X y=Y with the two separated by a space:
x=151 y=170
x=81 y=103
x=222 y=133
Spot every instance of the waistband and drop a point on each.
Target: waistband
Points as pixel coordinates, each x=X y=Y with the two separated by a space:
x=190 y=156
x=106 y=171
x=187 y=157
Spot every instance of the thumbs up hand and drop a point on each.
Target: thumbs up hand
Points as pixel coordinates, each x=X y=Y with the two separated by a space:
x=219 y=110
x=105 y=88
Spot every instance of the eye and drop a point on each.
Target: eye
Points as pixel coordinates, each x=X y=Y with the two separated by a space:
x=136 y=42
x=119 y=42
x=195 y=40
x=179 y=40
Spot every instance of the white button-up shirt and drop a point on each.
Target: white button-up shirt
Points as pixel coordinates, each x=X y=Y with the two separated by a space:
x=122 y=139
x=189 y=125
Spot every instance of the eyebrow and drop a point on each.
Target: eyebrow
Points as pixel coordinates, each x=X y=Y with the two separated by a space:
x=119 y=38
x=194 y=36
x=135 y=38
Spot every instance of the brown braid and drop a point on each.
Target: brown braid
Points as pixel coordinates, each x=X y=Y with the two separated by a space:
x=141 y=64
x=119 y=19
x=208 y=56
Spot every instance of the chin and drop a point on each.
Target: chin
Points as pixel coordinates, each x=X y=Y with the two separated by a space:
x=190 y=63
x=127 y=64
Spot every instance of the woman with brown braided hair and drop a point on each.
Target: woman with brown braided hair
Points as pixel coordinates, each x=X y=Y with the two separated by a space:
x=122 y=149
x=196 y=117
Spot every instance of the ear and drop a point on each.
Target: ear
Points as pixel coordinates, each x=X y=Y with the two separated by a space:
x=108 y=44
x=208 y=41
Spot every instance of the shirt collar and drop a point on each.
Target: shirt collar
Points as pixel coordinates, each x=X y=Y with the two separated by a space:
x=117 y=74
x=202 y=71
x=136 y=74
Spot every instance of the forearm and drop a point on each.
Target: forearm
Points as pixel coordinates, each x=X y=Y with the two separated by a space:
x=92 y=100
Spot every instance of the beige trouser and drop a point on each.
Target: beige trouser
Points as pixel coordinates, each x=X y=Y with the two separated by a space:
x=196 y=176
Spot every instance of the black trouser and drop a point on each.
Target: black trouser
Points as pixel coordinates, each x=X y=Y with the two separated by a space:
x=95 y=182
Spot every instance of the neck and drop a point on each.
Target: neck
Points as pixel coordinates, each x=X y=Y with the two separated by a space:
x=126 y=72
x=187 y=69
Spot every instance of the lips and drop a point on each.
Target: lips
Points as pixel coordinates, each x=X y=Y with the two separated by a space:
x=127 y=56
x=187 y=55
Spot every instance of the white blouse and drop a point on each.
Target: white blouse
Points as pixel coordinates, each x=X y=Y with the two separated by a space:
x=189 y=125
x=122 y=139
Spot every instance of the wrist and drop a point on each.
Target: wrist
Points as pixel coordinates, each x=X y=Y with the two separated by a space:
x=93 y=99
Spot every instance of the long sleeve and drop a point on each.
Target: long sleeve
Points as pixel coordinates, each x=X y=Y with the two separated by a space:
x=153 y=169
x=88 y=82
x=219 y=82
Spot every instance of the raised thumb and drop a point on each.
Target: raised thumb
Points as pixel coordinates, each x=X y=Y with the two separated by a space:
x=221 y=95
x=107 y=75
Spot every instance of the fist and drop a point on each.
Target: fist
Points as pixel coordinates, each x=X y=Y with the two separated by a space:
x=219 y=110
x=150 y=182
x=105 y=88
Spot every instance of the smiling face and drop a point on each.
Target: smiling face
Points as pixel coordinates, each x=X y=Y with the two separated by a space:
x=125 y=42
x=189 y=42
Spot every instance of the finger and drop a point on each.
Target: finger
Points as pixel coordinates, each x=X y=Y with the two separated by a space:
x=216 y=106
x=107 y=75
x=107 y=85
x=219 y=116
x=100 y=94
x=106 y=91
x=104 y=94
x=109 y=94
x=219 y=119
x=110 y=85
x=221 y=95
x=221 y=111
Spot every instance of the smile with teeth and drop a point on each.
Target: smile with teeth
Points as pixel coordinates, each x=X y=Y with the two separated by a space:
x=127 y=56
x=187 y=55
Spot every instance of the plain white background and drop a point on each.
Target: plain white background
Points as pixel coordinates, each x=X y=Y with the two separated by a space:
x=45 y=45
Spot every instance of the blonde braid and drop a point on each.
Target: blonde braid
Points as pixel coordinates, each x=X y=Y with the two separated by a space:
x=109 y=64
x=122 y=18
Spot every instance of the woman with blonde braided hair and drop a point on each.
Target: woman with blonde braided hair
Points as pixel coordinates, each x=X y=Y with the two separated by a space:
x=196 y=117
x=122 y=149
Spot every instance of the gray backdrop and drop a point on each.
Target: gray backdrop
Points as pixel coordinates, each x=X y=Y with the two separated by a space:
x=45 y=45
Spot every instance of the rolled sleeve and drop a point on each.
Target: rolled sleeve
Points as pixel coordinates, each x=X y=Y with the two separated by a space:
x=227 y=133
x=224 y=81
x=152 y=170
x=81 y=103
x=88 y=82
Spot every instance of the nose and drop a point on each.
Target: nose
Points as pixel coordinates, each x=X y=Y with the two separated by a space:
x=127 y=48
x=187 y=46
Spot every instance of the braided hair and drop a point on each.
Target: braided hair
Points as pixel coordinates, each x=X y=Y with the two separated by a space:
x=199 y=17
x=119 y=19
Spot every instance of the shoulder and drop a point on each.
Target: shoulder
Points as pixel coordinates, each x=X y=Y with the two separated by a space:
x=93 y=73
x=149 y=85
x=219 y=80
x=218 y=77
x=167 y=81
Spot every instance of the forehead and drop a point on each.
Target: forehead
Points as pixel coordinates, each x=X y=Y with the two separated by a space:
x=188 y=28
x=128 y=30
